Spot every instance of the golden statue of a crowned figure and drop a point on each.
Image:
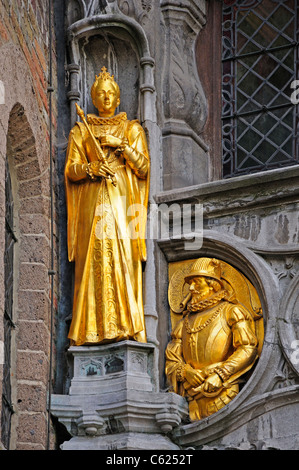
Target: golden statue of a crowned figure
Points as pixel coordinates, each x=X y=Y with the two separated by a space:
x=107 y=181
x=217 y=337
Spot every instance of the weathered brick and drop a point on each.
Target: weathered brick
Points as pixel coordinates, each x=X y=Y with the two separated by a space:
x=39 y=70
x=40 y=55
x=29 y=446
x=3 y=32
x=35 y=249
x=30 y=188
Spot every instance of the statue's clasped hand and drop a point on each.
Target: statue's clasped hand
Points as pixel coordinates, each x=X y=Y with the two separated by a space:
x=118 y=144
x=194 y=377
x=110 y=141
x=96 y=169
x=211 y=386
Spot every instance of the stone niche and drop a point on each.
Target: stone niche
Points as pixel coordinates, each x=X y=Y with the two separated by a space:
x=108 y=38
x=118 y=56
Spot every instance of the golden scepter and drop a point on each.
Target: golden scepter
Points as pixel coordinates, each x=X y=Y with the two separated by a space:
x=100 y=154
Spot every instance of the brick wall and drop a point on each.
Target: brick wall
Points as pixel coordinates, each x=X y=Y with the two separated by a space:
x=24 y=140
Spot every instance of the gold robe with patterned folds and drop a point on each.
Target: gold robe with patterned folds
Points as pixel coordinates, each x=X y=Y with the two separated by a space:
x=106 y=233
x=221 y=337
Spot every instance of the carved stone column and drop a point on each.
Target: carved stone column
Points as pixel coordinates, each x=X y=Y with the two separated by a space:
x=73 y=94
x=185 y=108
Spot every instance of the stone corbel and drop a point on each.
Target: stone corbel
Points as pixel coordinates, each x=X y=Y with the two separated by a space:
x=168 y=419
x=90 y=424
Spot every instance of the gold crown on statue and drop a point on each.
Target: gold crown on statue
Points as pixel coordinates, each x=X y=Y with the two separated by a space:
x=104 y=75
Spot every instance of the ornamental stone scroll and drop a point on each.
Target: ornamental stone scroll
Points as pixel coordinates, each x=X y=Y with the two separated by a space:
x=184 y=102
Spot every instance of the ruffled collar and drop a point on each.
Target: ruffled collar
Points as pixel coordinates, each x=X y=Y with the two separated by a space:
x=207 y=303
x=100 y=121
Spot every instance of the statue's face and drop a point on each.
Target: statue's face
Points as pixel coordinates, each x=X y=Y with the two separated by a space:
x=199 y=288
x=106 y=98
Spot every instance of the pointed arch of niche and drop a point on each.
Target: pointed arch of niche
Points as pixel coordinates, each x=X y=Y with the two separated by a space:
x=119 y=43
x=30 y=336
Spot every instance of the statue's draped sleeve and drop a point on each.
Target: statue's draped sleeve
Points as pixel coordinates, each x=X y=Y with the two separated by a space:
x=137 y=158
x=75 y=172
x=244 y=343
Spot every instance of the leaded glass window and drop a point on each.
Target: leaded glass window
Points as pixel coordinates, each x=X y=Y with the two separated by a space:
x=259 y=63
x=10 y=239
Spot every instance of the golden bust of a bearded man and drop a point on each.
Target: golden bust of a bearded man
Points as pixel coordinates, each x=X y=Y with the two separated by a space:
x=106 y=239
x=212 y=345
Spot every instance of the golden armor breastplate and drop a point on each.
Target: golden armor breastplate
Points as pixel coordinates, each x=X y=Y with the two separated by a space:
x=206 y=337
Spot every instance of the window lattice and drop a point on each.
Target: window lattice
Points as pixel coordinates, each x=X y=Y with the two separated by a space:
x=7 y=409
x=259 y=63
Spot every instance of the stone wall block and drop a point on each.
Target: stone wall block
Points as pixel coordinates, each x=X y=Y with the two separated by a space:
x=32 y=366
x=33 y=276
x=35 y=249
x=32 y=428
x=28 y=170
x=31 y=398
x=33 y=336
x=33 y=305
x=34 y=224
x=34 y=205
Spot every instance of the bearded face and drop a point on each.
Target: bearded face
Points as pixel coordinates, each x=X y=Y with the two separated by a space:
x=202 y=288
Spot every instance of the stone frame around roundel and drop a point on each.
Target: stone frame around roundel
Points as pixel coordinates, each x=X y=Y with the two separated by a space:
x=256 y=269
x=288 y=336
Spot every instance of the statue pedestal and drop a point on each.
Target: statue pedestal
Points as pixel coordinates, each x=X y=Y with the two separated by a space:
x=113 y=401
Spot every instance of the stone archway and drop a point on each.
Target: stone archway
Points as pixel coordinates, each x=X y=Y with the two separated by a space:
x=30 y=338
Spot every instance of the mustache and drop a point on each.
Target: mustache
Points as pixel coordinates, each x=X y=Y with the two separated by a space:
x=197 y=293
